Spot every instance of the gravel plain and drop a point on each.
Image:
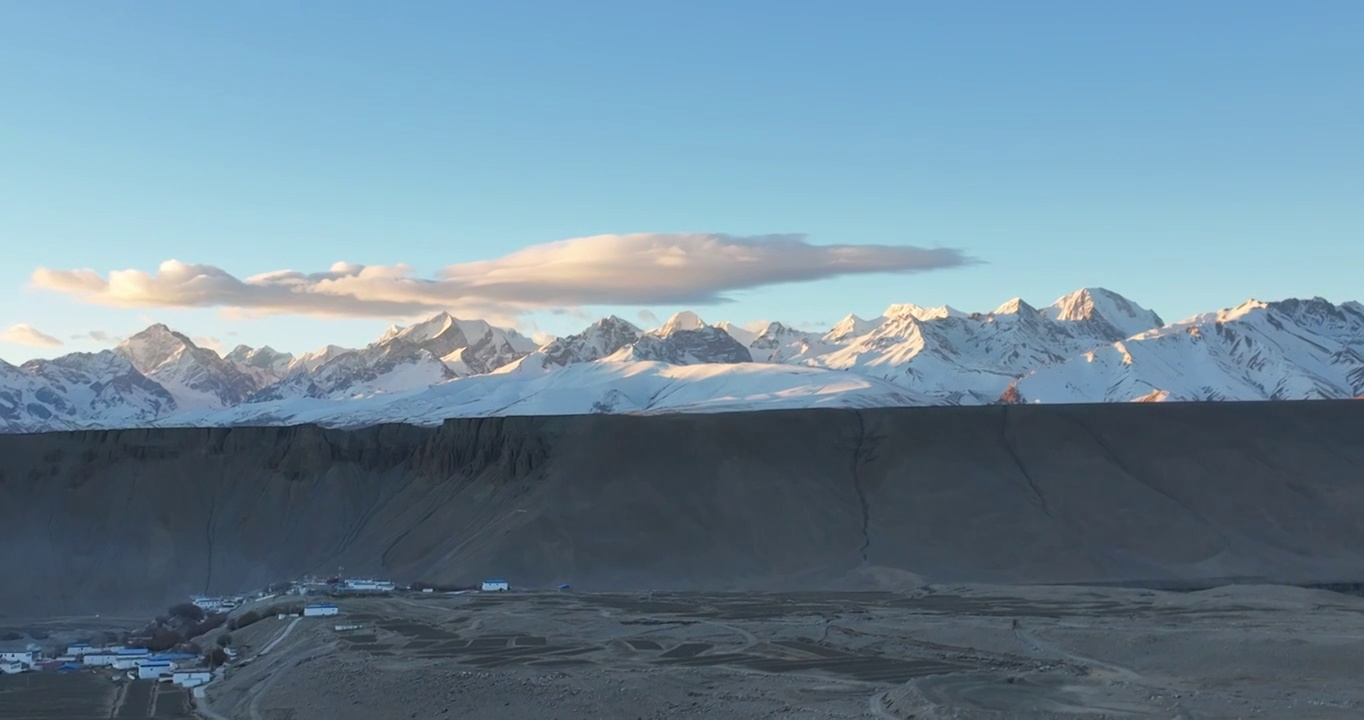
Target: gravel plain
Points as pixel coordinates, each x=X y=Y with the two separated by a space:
x=937 y=652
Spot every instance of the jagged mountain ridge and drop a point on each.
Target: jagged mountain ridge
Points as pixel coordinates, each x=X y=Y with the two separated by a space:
x=1089 y=346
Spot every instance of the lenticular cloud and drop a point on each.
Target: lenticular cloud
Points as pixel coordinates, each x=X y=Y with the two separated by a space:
x=634 y=269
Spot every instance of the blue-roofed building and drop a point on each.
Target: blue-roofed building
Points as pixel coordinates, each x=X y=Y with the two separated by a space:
x=125 y=652
x=320 y=609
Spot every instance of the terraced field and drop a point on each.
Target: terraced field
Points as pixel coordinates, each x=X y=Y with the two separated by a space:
x=88 y=696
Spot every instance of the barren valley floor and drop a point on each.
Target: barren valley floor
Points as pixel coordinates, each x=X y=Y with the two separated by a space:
x=941 y=652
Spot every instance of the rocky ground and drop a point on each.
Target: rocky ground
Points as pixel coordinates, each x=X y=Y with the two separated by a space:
x=938 y=652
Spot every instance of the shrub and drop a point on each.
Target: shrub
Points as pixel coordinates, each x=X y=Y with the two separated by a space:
x=216 y=658
x=188 y=612
x=249 y=617
x=224 y=640
x=11 y=636
x=212 y=622
x=164 y=639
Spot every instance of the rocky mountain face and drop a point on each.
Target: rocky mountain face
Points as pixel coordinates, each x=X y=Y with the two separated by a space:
x=132 y=520
x=467 y=347
x=1092 y=345
x=1295 y=349
x=684 y=340
x=196 y=377
x=66 y=392
x=265 y=365
x=600 y=340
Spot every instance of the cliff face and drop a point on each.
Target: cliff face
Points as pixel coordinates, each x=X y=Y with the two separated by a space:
x=106 y=520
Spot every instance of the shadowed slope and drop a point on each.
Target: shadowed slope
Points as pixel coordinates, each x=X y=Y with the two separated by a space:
x=103 y=520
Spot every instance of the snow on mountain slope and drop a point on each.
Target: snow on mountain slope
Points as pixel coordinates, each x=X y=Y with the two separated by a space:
x=778 y=343
x=598 y=341
x=402 y=359
x=394 y=366
x=583 y=388
x=1102 y=314
x=308 y=362
x=744 y=334
x=684 y=340
x=851 y=327
x=468 y=347
x=194 y=376
x=1092 y=345
x=953 y=359
x=922 y=313
x=78 y=390
x=1257 y=351
x=265 y=365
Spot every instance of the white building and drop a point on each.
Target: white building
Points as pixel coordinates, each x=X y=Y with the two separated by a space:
x=99 y=658
x=26 y=657
x=11 y=668
x=191 y=678
x=320 y=610
x=207 y=604
x=129 y=658
x=367 y=585
x=495 y=586
x=80 y=649
x=152 y=670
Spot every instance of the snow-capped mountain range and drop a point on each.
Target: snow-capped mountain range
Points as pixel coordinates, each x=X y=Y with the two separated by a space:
x=1092 y=345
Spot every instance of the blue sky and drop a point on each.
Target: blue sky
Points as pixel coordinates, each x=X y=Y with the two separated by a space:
x=1187 y=155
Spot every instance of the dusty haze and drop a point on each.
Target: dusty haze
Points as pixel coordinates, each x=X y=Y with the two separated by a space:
x=102 y=521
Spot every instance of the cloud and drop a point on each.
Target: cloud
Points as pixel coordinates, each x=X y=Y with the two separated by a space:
x=25 y=334
x=206 y=341
x=649 y=317
x=98 y=336
x=635 y=269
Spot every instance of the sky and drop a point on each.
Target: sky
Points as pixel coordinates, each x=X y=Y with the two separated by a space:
x=303 y=173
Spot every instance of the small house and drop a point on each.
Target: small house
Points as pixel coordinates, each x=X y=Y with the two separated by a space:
x=495 y=585
x=153 y=670
x=191 y=678
x=320 y=610
x=27 y=657
x=8 y=667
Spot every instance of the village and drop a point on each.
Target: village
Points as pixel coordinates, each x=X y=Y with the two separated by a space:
x=191 y=645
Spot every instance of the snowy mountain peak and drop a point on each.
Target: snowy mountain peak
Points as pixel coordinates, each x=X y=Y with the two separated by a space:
x=599 y=340
x=153 y=347
x=1111 y=315
x=685 y=320
x=922 y=313
x=851 y=327
x=423 y=331
x=613 y=322
x=1015 y=306
x=1089 y=346
x=195 y=377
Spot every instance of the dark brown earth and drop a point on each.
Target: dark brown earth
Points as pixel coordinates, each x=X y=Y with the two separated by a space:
x=103 y=521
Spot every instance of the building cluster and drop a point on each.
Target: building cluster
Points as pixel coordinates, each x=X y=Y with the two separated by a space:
x=183 y=669
x=366 y=585
x=218 y=604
